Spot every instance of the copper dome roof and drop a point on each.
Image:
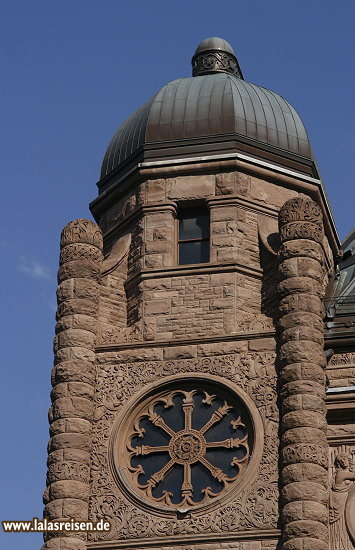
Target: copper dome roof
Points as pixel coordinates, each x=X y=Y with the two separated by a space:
x=208 y=113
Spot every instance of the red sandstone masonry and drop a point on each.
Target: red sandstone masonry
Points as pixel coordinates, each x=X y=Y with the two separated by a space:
x=304 y=449
x=71 y=413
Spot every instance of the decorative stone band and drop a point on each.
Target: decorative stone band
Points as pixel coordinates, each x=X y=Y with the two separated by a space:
x=71 y=412
x=214 y=61
x=301 y=218
x=304 y=449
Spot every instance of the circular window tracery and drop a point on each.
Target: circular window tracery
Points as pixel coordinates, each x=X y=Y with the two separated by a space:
x=185 y=445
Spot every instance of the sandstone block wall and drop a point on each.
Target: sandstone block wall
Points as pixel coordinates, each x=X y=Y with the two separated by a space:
x=164 y=301
x=136 y=318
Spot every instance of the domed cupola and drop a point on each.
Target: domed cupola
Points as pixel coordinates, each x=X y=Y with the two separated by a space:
x=214 y=112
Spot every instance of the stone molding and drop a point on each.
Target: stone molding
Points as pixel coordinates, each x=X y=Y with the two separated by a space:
x=197 y=269
x=253 y=535
x=71 y=413
x=238 y=162
x=103 y=348
x=239 y=200
x=304 y=449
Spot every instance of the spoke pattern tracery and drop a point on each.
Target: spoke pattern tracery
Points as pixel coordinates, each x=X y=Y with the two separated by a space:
x=187 y=447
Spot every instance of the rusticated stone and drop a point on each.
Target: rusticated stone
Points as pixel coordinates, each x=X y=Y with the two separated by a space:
x=302 y=351
x=304 y=490
x=300 y=284
x=301 y=267
x=302 y=386
x=74 y=353
x=75 y=455
x=67 y=508
x=76 y=321
x=301 y=302
x=69 y=489
x=303 y=435
x=71 y=413
x=73 y=370
x=78 y=288
x=306 y=528
x=304 y=419
x=83 y=269
x=301 y=319
x=64 y=543
x=297 y=510
x=76 y=337
x=70 y=440
x=72 y=425
x=304 y=449
x=303 y=472
x=231 y=183
x=305 y=544
x=77 y=305
x=302 y=333
x=73 y=388
x=310 y=249
x=302 y=371
x=68 y=407
x=305 y=401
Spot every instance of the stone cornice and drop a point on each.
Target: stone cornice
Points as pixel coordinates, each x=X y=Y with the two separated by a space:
x=218 y=163
x=253 y=534
x=192 y=269
x=184 y=341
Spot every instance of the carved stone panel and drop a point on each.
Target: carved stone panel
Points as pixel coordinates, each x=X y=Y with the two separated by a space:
x=252 y=506
x=186 y=444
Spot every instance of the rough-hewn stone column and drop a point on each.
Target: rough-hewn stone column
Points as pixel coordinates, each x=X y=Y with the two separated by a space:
x=71 y=413
x=304 y=449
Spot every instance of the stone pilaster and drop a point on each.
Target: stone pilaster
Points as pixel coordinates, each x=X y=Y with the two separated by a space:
x=160 y=238
x=304 y=449
x=67 y=493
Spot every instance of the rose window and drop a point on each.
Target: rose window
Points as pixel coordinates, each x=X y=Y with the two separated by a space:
x=186 y=446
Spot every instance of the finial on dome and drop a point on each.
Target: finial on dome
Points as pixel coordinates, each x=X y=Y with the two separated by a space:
x=215 y=55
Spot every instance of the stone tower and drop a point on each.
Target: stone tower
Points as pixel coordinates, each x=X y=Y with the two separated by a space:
x=189 y=381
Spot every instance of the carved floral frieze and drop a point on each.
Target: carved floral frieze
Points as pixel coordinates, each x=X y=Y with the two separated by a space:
x=342 y=360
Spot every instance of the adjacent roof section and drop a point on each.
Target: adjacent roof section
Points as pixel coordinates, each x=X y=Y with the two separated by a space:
x=206 y=113
x=340 y=304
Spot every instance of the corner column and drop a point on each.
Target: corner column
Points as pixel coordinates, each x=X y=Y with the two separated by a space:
x=304 y=448
x=70 y=415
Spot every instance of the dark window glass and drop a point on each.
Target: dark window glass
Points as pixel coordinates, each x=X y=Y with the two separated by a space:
x=205 y=447
x=194 y=235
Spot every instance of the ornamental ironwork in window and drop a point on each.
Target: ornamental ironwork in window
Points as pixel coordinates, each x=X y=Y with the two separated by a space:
x=185 y=446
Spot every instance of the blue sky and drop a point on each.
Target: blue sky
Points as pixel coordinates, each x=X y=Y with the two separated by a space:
x=72 y=71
